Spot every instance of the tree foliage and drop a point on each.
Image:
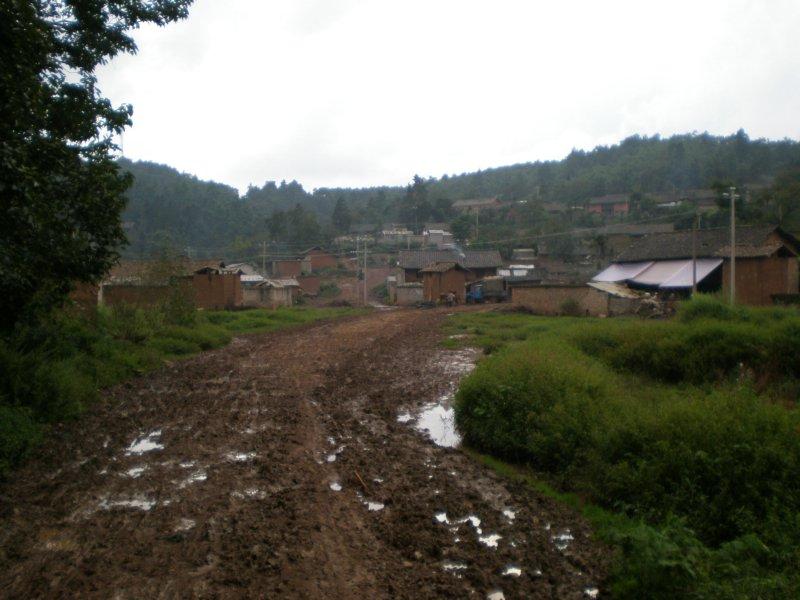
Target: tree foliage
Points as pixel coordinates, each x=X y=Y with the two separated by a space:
x=61 y=190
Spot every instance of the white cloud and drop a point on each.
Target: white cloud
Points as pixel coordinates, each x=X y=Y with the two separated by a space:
x=371 y=92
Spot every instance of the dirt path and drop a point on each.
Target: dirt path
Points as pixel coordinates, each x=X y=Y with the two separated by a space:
x=277 y=467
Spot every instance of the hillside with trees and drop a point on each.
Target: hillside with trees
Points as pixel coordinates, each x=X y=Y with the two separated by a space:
x=170 y=209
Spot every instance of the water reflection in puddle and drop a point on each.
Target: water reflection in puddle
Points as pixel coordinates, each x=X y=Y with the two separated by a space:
x=146 y=443
x=336 y=486
x=490 y=540
x=496 y=595
x=240 y=456
x=195 y=477
x=509 y=514
x=137 y=502
x=185 y=525
x=563 y=539
x=512 y=571
x=404 y=417
x=438 y=421
x=591 y=592
x=136 y=471
x=454 y=566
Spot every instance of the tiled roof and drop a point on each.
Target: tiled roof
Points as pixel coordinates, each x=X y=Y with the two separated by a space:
x=471 y=259
x=750 y=242
x=441 y=267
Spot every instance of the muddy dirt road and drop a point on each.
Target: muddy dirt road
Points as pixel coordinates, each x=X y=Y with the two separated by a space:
x=286 y=465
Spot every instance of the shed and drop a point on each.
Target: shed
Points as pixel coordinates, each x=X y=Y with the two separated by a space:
x=441 y=278
x=409 y=294
x=268 y=294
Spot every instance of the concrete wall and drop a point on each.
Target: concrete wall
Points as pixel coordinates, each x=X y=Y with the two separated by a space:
x=408 y=295
x=550 y=299
x=216 y=292
x=757 y=279
x=266 y=297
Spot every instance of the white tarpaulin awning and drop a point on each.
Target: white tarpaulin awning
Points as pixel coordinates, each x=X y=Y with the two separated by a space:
x=659 y=272
x=683 y=278
x=621 y=271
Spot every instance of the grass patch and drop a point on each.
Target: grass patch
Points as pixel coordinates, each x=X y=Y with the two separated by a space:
x=671 y=427
x=51 y=372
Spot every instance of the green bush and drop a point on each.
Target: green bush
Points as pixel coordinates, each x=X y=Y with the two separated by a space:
x=669 y=423
x=19 y=433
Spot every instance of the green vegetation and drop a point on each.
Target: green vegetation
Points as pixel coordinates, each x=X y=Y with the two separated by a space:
x=684 y=432
x=49 y=373
x=170 y=207
x=62 y=190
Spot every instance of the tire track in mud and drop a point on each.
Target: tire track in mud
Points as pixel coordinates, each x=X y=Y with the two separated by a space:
x=214 y=477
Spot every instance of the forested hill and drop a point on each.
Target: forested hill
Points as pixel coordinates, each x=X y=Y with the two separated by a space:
x=170 y=208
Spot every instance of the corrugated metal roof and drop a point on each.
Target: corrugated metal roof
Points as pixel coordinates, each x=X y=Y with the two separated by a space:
x=615 y=289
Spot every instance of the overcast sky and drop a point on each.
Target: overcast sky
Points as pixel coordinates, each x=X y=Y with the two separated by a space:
x=370 y=92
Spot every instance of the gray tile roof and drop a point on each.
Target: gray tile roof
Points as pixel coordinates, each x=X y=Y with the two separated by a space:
x=471 y=259
x=711 y=243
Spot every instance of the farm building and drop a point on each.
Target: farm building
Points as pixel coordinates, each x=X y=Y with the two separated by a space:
x=611 y=205
x=270 y=293
x=476 y=205
x=319 y=259
x=479 y=263
x=766 y=263
x=215 y=290
x=441 y=278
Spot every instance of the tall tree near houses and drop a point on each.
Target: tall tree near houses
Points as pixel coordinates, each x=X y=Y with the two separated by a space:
x=341 y=215
x=60 y=187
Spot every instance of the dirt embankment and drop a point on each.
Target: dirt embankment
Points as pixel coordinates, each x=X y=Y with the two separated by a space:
x=277 y=467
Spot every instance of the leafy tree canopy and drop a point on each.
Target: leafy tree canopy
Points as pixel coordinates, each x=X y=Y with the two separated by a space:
x=61 y=190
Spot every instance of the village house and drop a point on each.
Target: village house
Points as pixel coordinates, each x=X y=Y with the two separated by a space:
x=614 y=238
x=319 y=259
x=442 y=278
x=766 y=263
x=479 y=263
x=270 y=293
x=610 y=205
x=438 y=237
x=475 y=205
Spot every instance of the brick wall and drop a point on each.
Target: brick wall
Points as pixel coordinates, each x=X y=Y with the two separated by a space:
x=436 y=284
x=216 y=292
x=550 y=299
x=141 y=296
x=757 y=279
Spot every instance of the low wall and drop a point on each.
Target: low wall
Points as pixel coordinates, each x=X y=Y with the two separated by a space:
x=141 y=296
x=554 y=299
x=409 y=295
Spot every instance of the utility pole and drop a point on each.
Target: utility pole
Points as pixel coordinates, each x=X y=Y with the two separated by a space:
x=477 y=212
x=365 y=272
x=264 y=258
x=733 y=197
x=694 y=252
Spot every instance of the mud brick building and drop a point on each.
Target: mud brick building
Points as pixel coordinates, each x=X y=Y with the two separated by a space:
x=442 y=278
x=478 y=263
x=320 y=259
x=766 y=263
x=214 y=290
x=611 y=205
